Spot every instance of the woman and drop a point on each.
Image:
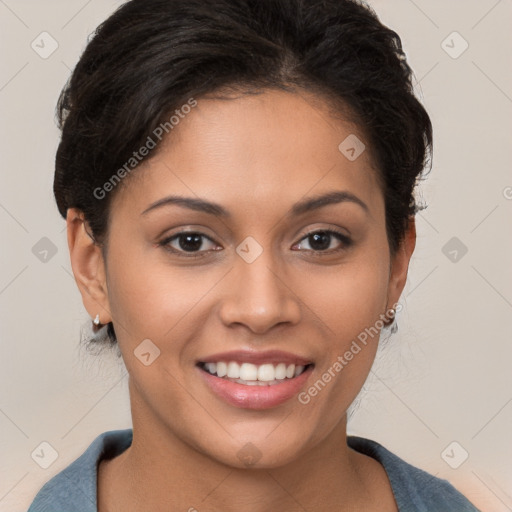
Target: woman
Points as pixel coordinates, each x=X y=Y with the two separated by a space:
x=237 y=178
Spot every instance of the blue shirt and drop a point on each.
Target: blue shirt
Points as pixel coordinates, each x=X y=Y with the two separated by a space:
x=74 y=489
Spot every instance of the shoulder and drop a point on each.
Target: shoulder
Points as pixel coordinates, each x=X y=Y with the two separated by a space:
x=414 y=489
x=75 y=487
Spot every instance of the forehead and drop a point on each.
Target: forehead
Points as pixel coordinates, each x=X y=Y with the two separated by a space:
x=256 y=148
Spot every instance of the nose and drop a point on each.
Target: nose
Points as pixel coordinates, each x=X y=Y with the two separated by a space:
x=259 y=296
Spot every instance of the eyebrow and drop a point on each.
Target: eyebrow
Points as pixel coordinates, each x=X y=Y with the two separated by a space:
x=300 y=208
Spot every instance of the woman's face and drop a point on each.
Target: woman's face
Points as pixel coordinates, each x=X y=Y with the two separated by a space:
x=251 y=281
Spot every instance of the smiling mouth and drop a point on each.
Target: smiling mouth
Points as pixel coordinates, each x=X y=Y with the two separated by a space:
x=254 y=375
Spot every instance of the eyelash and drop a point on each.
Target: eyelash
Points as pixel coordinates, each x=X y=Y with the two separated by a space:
x=347 y=242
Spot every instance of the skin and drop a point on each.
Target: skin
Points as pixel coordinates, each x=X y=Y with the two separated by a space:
x=256 y=156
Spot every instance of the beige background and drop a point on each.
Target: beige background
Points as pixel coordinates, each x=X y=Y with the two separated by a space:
x=444 y=377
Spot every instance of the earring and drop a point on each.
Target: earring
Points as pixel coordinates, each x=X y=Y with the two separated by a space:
x=96 y=320
x=391 y=322
x=391 y=316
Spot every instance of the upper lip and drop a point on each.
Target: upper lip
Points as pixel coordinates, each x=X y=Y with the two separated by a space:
x=255 y=357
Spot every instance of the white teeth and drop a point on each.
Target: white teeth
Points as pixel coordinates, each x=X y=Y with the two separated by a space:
x=222 y=369
x=248 y=371
x=298 y=370
x=256 y=382
x=233 y=370
x=280 y=371
x=251 y=374
x=211 y=367
x=266 y=373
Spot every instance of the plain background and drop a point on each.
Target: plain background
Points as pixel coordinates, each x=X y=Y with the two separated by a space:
x=444 y=377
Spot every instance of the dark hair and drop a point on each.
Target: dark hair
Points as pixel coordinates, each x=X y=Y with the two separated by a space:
x=151 y=56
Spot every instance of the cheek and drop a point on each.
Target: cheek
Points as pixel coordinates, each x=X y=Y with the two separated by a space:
x=349 y=302
x=349 y=298
x=151 y=298
x=156 y=302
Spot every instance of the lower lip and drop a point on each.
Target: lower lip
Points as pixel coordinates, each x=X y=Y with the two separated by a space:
x=255 y=397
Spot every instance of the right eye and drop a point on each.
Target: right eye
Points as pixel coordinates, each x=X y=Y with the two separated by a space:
x=187 y=244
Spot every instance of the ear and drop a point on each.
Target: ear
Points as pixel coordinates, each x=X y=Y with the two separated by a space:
x=400 y=264
x=88 y=266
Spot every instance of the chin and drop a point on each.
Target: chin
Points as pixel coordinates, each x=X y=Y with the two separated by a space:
x=259 y=456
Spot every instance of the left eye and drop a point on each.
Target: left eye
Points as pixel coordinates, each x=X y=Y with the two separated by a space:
x=320 y=241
